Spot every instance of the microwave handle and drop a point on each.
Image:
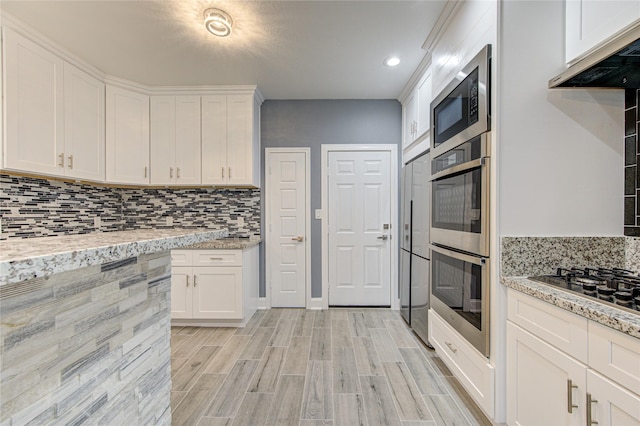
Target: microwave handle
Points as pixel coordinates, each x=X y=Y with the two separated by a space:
x=460 y=167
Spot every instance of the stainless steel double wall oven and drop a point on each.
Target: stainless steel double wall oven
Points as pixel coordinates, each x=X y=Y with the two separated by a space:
x=460 y=185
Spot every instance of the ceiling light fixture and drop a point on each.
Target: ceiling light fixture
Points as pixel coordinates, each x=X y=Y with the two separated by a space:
x=218 y=22
x=392 y=61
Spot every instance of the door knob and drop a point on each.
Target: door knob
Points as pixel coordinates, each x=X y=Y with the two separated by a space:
x=299 y=238
x=383 y=237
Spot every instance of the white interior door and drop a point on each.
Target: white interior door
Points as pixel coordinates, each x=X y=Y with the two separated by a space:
x=287 y=218
x=359 y=208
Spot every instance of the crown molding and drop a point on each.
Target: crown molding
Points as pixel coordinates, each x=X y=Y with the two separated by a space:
x=424 y=64
x=449 y=11
x=23 y=29
x=32 y=34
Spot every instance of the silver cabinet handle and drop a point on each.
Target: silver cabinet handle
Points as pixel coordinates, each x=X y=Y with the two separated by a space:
x=216 y=258
x=590 y=401
x=195 y=280
x=61 y=160
x=178 y=172
x=145 y=171
x=222 y=172
x=170 y=172
x=70 y=162
x=454 y=350
x=570 y=388
x=229 y=172
x=187 y=280
x=299 y=238
x=383 y=237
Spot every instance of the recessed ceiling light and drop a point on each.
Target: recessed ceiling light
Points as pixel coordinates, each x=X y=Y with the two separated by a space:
x=217 y=22
x=392 y=61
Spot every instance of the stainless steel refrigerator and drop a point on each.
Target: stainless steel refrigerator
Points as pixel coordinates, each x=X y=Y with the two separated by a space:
x=414 y=247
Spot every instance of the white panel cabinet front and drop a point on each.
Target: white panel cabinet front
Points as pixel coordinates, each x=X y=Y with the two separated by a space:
x=84 y=122
x=611 y=404
x=540 y=382
x=175 y=140
x=210 y=287
x=217 y=292
x=33 y=89
x=127 y=132
x=589 y=23
x=230 y=140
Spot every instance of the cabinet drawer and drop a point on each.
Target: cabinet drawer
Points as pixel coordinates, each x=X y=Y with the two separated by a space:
x=615 y=355
x=217 y=258
x=181 y=257
x=562 y=329
x=469 y=366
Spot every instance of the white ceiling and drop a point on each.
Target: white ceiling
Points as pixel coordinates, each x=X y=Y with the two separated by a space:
x=290 y=49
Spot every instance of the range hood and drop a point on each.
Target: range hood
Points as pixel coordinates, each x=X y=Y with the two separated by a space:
x=616 y=64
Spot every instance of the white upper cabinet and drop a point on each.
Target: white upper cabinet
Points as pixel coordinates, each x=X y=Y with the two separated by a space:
x=589 y=23
x=416 y=111
x=127 y=132
x=55 y=113
x=230 y=140
x=84 y=138
x=175 y=140
x=34 y=139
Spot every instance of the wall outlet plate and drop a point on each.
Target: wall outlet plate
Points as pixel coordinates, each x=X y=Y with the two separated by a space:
x=318 y=213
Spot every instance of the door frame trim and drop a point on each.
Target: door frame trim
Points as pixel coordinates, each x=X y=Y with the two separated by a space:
x=393 y=150
x=307 y=225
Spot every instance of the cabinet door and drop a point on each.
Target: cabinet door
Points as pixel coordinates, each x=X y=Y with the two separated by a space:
x=187 y=141
x=409 y=119
x=240 y=139
x=162 y=153
x=424 y=104
x=217 y=293
x=181 y=292
x=83 y=125
x=214 y=140
x=33 y=107
x=611 y=403
x=538 y=391
x=591 y=22
x=127 y=129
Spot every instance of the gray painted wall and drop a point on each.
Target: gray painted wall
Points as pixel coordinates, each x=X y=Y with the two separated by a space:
x=316 y=122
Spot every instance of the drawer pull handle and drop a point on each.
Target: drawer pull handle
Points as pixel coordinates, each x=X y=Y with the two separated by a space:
x=178 y=172
x=454 y=350
x=570 y=388
x=170 y=172
x=70 y=162
x=222 y=172
x=590 y=401
x=195 y=280
x=216 y=258
x=187 y=280
x=61 y=160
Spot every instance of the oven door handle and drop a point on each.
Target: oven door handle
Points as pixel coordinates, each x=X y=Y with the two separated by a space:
x=474 y=164
x=476 y=260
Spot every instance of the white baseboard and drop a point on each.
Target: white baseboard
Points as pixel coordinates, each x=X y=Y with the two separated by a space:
x=263 y=303
x=315 y=303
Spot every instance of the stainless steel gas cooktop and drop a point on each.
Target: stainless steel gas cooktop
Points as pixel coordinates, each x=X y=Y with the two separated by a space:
x=617 y=287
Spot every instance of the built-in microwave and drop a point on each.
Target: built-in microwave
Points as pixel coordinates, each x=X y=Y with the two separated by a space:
x=462 y=110
x=460 y=294
x=460 y=197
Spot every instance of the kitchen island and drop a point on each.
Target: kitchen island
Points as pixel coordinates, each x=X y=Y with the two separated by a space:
x=85 y=326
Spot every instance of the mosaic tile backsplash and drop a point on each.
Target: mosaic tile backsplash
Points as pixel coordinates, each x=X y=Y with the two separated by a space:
x=33 y=207
x=632 y=163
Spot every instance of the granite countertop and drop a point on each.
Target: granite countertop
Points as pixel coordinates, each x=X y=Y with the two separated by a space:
x=23 y=259
x=618 y=319
x=229 y=243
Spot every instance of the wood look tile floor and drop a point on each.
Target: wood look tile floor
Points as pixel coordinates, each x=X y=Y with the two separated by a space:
x=298 y=367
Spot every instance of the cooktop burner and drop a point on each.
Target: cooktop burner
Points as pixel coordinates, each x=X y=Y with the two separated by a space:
x=614 y=286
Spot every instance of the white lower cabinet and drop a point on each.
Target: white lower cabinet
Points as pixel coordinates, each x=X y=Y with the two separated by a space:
x=547 y=384
x=540 y=382
x=467 y=364
x=219 y=285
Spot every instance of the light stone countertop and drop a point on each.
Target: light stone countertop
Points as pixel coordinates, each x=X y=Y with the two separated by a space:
x=229 y=243
x=618 y=319
x=26 y=258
